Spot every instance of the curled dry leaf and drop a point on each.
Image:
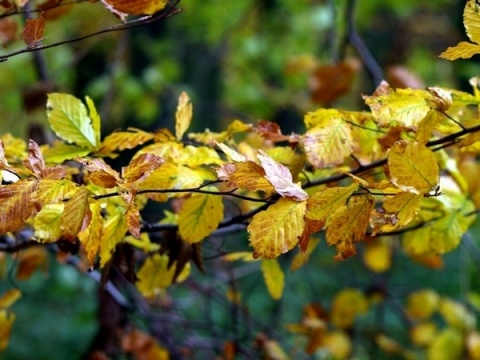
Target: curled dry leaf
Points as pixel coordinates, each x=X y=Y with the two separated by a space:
x=33 y=31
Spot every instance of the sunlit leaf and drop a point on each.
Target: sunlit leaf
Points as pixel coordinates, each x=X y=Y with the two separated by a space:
x=329 y=142
x=232 y=154
x=273 y=277
x=68 y=117
x=138 y=7
x=114 y=230
x=280 y=177
x=47 y=223
x=60 y=152
x=413 y=167
x=52 y=191
x=348 y=225
x=183 y=115
x=463 y=50
x=200 y=216
x=17 y=204
x=91 y=236
x=324 y=202
x=276 y=230
x=122 y=140
x=140 y=167
x=73 y=214
x=245 y=175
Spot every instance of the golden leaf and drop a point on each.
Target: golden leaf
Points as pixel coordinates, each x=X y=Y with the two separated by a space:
x=422 y=304
x=6 y=322
x=137 y=7
x=276 y=230
x=47 y=223
x=463 y=50
x=91 y=236
x=200 y=216
x=74 y=213
x=121 y=140
x=17 y=204
x=427 y=125
x=329 y=142
x=232 y=154
x=346 y=306
x=301 y=258
x=325 y=201
x=471 y=18
x=413 y=167
x=273 y=277
x=183 y=115
x=140 y=167
x=348 y=225
x=377 y=255
x=405 y=107
x=100 y=173
x=156 y=275
x=447 y=345
x=239 y=255
x=245 y=175
x=9 y=297
x=114 y=229
x=422 y=334
x=53 y=191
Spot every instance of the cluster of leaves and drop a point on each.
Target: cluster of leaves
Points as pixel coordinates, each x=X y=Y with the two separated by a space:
x=405 y=169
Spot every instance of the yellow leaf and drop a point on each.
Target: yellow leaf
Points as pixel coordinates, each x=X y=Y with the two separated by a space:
x=320 y=116
x=346 y=306
x=121 y=140
x=413 y=167
x=463 y=50
x=232 y=154
x=338 y=344
x=53 y=191
x=60 y=152
x=183 y=115
x=398 y=211
x=47 y=223
x=348 y=225
x=447 y=345
x=155 y=276
x=422 y=304
x=301 y=258
x=405 y=107
x=423 y=333
x=471 y=18
x=473 y=345
x=73 y=214
x=17 y=204
x=328 y=143
x=138 y=7
x=200 y=216
x=9 y=297
x=91 y=236
x=325 y=201
x=273 y=277
x=114 y=230
x=245 y=175
x=456 y=315
x=276 y=230
x=377 y=255
x=15 y=149
x=68 y=118
x=6 y=322
x=427 y=125
x=140 y=167
x=239 y=255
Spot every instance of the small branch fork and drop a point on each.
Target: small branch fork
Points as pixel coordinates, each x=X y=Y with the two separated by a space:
x=172 y=10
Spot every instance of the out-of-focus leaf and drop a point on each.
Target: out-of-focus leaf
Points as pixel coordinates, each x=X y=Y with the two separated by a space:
x=138 y=7
x=377 y=256
x=33 y=30
x=276 y=230
x=6 y=322
x=346 y=306
x=422 y=304
x=9 y=297
x=273 y=277
x=422 y=334
x=301 y=258
x=183 y=115
x=457 y=315
x=447 y=345
x=200 y=216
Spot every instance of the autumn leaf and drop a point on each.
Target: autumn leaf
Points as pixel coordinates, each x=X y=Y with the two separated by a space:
x=463 y=49
x=273 y=277
x=74 y=214
x=232 y=154
x=122 y=140
x=47 y=223
x=91 y=236
x=347 y=305
x=302 y=258
x=140 y=167
x=100 y=173
x=329 y=142
x=412 y=167
x=69 y=119
x=35 y=162
x=276 y=230
x=245 y=175
x=377 y=255
x=53 y=191
x=348 y=225
x=114 y=230
x=200 y=216
x=33 y=30
x=325 y=201
x=156 y=275
x=60 y=152
x=138 y=7
x=183 y=115
x=17 y=204
x=447 y=344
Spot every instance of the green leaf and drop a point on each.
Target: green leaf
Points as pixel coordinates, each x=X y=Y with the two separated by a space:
x=68 y=118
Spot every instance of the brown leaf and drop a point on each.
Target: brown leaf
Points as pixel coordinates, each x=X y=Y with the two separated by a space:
x=311 y=227
x=35 y=162
x=100 y=174
x=271 y=131
x=132 y=216
x=30 y=260
x=140 y=167
x=245 y=175
x=8 y=31
x=17 y=204
x=52 y=11
x=73 y=214
x=33 y=31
